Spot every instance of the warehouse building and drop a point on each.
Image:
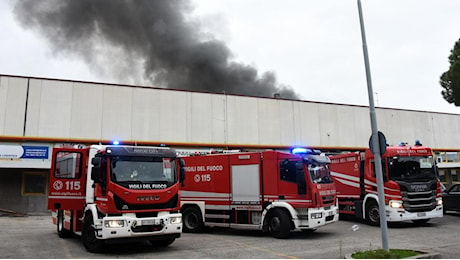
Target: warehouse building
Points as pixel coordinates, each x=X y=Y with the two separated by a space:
x=37 y=114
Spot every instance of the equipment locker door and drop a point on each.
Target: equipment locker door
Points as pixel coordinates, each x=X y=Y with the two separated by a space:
x=67 y=185
x=245 y=178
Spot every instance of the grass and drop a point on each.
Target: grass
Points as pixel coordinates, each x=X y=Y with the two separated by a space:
x=382 y=254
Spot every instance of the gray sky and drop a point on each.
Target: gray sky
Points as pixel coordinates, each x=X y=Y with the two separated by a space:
x=312 y=46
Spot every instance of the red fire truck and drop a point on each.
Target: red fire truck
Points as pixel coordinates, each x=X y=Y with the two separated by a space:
x=272 y=191
x=108 y=194
x=412 y=189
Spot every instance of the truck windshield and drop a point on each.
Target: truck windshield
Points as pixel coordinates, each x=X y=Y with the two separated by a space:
x=320 y=173
x=126 y=169
x=411 y=168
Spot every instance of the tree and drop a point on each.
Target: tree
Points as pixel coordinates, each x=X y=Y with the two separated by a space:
x=450 y=80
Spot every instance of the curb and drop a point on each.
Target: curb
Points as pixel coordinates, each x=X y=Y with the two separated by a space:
x=422 y=255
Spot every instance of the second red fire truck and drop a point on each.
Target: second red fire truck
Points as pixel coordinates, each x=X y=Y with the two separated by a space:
x=412 y=189
x=272 y=191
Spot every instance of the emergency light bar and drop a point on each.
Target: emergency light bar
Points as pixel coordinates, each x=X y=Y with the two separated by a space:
x=303 y=150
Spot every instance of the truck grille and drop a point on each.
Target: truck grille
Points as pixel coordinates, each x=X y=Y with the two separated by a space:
x=122 y=205
x=418 y=197
x=328 y=200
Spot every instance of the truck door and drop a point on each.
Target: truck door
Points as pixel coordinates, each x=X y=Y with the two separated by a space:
x=68 y=179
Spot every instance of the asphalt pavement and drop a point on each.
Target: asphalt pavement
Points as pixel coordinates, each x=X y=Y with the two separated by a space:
x=35 y=237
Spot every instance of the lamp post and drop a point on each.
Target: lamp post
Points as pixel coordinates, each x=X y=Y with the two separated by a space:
x=374 y=138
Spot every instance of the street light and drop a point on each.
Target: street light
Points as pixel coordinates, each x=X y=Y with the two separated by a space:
x=375 y=138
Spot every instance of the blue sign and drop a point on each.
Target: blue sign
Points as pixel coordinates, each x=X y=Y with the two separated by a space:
x=35 y=152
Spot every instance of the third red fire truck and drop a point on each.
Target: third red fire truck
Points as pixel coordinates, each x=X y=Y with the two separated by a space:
x=272 y=191
x=412 y=189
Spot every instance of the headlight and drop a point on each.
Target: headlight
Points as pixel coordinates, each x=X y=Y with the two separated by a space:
x=439 y=201
x=316 y=215
x=114 y=223
x=395 y=204
x=175 y=220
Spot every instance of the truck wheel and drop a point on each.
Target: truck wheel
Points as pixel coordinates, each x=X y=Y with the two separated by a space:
x=279 y=224
x=192 y=220
x=372 y=213
x=162 y=243
x=62 y=232
x=88 y=236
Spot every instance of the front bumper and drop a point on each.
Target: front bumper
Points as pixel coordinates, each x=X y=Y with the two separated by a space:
x=399 y=214
x=313 y=218
x=133 y=227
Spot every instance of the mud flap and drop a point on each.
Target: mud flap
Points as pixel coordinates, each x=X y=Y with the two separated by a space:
x=359 y=212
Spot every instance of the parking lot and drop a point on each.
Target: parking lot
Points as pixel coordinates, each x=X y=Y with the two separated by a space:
x=35 y=237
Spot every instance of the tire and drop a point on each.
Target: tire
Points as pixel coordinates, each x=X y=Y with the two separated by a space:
x=162 y=243
x=421 y=222
x=192 y=220
x=279 y=224
x=372 y=213
x=88 y=236
x=62 y=232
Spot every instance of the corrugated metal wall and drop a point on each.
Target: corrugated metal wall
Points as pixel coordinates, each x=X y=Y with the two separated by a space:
x=43 y=108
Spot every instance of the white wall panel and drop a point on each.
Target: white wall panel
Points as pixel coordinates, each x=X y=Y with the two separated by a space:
x=13 y=93
x=86 y=115
x=287 y=120
x=308 y=120
x=446 y=131
x=173 y=116
x=389 y=123
x=362 y=126
x=199 y=118
x=219 y=119
x=53 y=102
x=33 y=108
x=328 y=128
x=269 y=122
x=117 y=105
x=146 y=114
x=346 y=126
x=242 y=120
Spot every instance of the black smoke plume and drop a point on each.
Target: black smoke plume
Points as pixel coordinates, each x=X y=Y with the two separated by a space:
x=157 y=37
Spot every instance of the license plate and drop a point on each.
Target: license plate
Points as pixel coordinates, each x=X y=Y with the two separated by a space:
x=146 y=222
x=330 y=213
x=421 y=214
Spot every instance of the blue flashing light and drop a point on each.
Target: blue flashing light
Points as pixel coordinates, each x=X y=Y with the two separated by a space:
x=116 y=142
x=300 y=150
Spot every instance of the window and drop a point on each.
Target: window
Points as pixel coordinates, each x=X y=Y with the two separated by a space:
x=452 y=157
x=442 y=176
x=372 y=170
x=455 y=176
x=33 y=183
x=67 y=165
x=288 y=171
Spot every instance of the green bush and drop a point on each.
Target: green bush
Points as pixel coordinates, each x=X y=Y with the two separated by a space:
x=382 y=254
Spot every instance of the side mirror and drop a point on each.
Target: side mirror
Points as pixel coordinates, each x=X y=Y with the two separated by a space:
x=182 y=171
x=96 y=169
x=300 y=176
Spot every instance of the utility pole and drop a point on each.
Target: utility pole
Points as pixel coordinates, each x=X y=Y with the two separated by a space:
x=374 y=138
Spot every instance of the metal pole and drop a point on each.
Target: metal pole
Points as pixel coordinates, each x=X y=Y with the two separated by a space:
x=375 y=139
